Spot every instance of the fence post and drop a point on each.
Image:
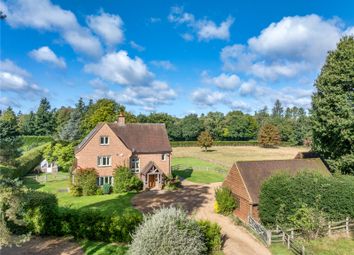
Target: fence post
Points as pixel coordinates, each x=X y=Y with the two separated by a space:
x=283 y=237
x=288 y=241
x=292 y=234
x=347 y=225
x=269 y=237
x=303 y=250
x=329 y=228
x=277 y=227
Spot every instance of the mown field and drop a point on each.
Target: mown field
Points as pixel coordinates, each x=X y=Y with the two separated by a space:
x=227 y=155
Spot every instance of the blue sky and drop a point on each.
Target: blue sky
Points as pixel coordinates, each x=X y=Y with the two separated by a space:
x=167 y=56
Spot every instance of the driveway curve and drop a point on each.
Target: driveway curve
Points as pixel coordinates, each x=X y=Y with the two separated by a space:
x=198 y=200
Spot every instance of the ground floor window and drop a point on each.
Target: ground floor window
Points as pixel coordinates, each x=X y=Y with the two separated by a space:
x=104 y=179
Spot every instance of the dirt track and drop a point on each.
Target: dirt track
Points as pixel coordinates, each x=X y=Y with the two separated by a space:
x=199 y=200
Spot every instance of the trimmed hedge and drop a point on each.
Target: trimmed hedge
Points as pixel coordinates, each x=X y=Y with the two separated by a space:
x=29 y=160
x=221 y=143
x=29 y=141
x=282 y=195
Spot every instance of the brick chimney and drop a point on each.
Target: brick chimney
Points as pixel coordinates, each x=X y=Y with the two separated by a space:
x=121 y=119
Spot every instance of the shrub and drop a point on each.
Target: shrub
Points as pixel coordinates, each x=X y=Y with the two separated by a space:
x=168 y=231
x=106 y=188
x=41 y=212
x=86 y=180
x=282 y=195
x=125 y=180
x=99 y=191
x=75 y=190
x=225 y=199
x=269 y=136
x=172 y=183
x=205 y=140
x=212 y=235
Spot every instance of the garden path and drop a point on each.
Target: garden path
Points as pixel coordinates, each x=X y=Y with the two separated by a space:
x=198 y=200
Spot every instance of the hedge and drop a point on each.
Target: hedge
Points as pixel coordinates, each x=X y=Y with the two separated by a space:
x=212 y=235
x=30 y=141
x=221 y=143
x=282 y=195
x=44 y=217
x=8 y=171
x=29 y=160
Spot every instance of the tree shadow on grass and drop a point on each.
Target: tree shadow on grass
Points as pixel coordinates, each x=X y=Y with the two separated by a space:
x=183 y=173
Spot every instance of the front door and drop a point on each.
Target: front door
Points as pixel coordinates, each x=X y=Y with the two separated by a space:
x=151 y=180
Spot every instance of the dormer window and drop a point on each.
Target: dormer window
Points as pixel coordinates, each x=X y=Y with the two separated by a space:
x=104 y=140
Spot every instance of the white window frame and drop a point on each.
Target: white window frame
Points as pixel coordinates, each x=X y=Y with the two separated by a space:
x=135 y=164
x=104 y=140
x=164 y=156
x=107 y=159
x=101 y=180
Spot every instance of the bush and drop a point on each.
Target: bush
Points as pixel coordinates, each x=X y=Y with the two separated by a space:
x=212 y=235
x=282 y=195
x=86 y=180
x=172 y=183
x=93 y=225
x=106 y=188
x=125 y=180
x=99 y=192
x=168 y=231
x=225 y=200
x=75 y=190
x=41 y=212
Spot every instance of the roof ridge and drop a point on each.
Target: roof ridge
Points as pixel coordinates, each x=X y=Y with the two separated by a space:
x=269 y=160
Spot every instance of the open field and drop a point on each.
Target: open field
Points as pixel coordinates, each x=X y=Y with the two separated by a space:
x=58 y=185
x=197 y=170
x=332 y=246
x=227 y=155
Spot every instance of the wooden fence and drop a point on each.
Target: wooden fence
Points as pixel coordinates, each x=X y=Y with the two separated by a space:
x=288 y=236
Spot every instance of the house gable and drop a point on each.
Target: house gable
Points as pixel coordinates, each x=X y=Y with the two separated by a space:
x=235 y=182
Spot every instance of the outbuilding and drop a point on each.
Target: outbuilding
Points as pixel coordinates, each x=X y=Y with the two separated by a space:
x=245 y=180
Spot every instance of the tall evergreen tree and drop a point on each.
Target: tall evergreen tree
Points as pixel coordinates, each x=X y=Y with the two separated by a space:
x=333 y=108
x=44 y=121
x=278 y=110
x=10 y=140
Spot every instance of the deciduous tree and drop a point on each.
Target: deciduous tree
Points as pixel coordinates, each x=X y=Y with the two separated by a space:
x=269 y=136
x=205 y=140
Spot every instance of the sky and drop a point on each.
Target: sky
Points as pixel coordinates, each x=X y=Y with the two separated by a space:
x=178 y=57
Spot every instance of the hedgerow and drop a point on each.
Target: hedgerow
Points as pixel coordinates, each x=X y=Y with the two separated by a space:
x=221 y=143
x=282 y=195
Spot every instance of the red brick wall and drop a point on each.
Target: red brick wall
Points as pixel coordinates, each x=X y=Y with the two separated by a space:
x=120 y=154
x=234 y=181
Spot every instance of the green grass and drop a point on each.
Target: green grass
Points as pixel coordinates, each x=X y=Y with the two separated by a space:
x=279 y=249
x=106 y=203
x=329 y=246
x=197 y=170
x=100 y=248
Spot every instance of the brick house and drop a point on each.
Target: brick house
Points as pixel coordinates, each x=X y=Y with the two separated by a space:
x=144 y=148
x=245 y=180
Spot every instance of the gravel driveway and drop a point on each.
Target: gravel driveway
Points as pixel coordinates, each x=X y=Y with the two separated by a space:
x=199 y=200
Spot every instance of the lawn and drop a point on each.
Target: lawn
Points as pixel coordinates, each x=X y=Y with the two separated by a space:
x=58 y=185
x=279 y=249
x=332 y=246
x=227 y=155
x=100 y=248
x=198 y=171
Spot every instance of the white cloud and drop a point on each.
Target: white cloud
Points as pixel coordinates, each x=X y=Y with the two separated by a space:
x=207 y=97
x=14 y=79
x=205 y=29
x=294 y=46
x=6 y=102
x=107 y=26
x=118 y=67
x=140 y=87
x=43 y=15
x=223 y=81
x=45 y=54
x=165 y=64
x=136 y=46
